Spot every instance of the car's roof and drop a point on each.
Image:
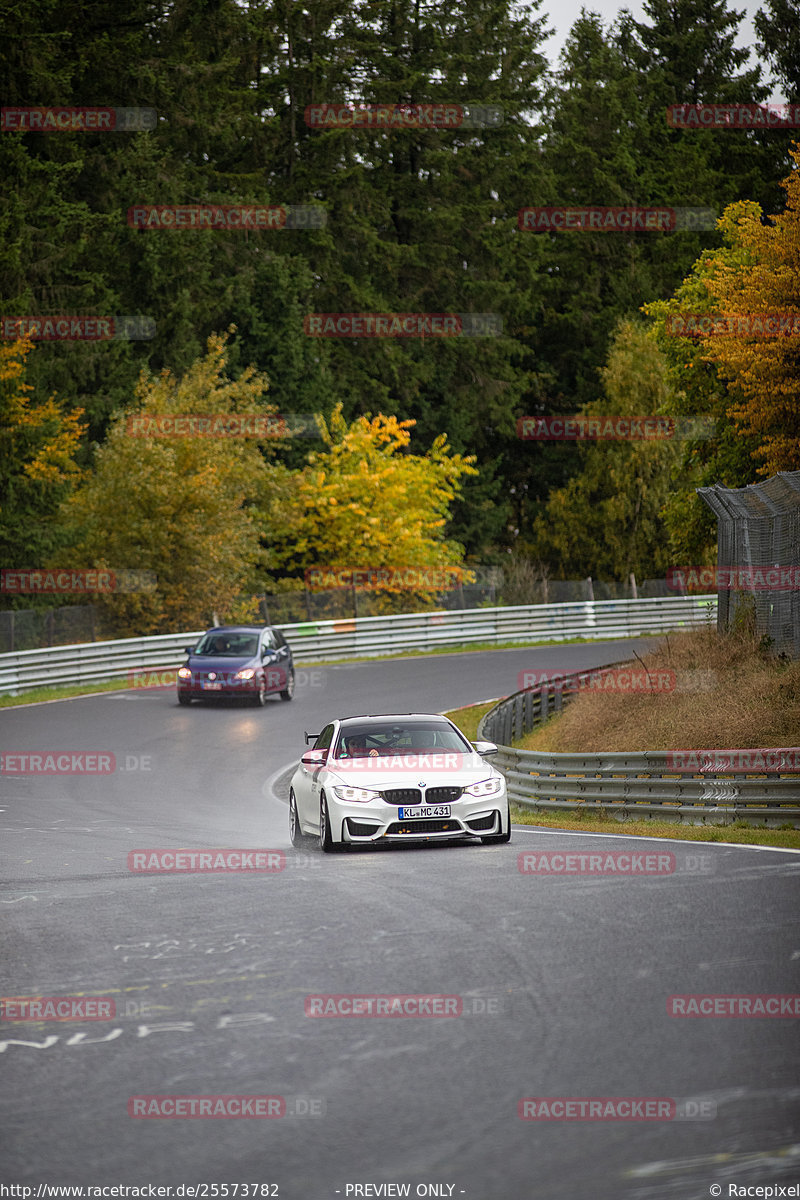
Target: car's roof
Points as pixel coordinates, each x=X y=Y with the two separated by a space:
x=238 y=628
x=382 y=718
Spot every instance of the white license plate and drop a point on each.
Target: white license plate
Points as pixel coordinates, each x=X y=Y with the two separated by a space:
x=423 y=810
x=212 y=687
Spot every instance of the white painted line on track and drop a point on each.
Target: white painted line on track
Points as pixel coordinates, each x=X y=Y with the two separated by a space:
x=268 y=786
x=638 y=837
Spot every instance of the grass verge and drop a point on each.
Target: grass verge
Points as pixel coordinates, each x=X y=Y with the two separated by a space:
x=37 y=695
x=718 y=693
x=580 y=822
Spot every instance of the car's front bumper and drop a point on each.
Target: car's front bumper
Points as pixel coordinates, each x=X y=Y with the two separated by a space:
x=377 y=821
x=244 y=688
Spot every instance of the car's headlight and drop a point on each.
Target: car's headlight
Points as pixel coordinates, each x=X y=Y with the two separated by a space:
x=486 y=787
x=184 y=673
x=359 y=795
x=247 y=673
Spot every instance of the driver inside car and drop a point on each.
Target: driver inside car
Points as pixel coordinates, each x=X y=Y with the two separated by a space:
x=357 y=747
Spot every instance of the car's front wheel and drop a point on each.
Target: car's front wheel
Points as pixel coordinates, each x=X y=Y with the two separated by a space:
x=260 y=697
x=288 y=691
x=183 y=698
x=326 y=842
x=495 y=838
x=295 y=830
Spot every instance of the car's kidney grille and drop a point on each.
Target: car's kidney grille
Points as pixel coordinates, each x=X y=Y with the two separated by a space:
x=442 y=795
x=402 y=796
x=409 y=796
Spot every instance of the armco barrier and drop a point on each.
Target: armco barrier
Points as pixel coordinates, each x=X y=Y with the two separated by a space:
x=366 y=637
x=627 y=785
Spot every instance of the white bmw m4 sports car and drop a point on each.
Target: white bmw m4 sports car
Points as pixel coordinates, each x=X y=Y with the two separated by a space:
x=401 y=777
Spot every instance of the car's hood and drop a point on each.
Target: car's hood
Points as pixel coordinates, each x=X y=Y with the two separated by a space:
x=435 y=768
x=220 y=663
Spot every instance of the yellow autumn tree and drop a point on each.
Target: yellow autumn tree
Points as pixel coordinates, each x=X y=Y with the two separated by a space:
x=184 y=509
x=758 y=273
x=365 y=502
x=38 y=443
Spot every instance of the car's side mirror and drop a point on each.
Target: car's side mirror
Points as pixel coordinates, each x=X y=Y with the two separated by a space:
x=484 y=748
x=314 y=758
x=189 y=650
x=265 y=650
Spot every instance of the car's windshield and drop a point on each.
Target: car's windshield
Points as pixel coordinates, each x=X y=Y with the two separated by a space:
x=228 y=645
x=408 y=737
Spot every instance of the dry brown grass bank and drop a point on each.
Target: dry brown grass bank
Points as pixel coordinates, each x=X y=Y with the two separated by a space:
x=745 y=698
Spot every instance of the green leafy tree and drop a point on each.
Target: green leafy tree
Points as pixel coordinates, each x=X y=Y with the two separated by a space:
x=778 y=27
x=38 y=468
x=606 y=521
x=748 y=386
x=366 y=502
x=185 y=508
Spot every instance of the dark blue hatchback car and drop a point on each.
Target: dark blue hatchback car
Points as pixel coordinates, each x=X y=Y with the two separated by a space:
x=246 y=661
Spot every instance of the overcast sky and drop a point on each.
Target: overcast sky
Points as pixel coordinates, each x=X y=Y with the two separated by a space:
x=562 y=14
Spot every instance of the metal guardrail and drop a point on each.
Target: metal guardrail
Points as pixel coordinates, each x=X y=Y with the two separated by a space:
x=625 y=784
x=321 y=641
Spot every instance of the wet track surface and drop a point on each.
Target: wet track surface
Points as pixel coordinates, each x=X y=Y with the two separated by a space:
x=562 y=982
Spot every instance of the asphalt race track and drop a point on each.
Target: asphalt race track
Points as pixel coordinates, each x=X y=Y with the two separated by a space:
x=562 y=981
